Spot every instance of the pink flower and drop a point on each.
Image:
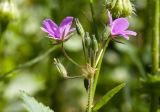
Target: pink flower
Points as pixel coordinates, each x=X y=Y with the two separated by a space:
x=119 y=27
x=58 y=32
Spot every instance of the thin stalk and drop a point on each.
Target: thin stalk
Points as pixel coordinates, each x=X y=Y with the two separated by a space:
x=154 y=102
x=90 y=97
x=68 y=57
x=155 y=39
x=94 y=78
x=99 y=67
x=94 y=20
x=29 y=63
x=155 y=53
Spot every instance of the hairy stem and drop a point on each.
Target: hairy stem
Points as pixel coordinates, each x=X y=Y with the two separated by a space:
x=90 y=97
x=94 y=78
x=99 y=66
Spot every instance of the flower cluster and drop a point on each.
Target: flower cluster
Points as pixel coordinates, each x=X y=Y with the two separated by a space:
x=118 y=28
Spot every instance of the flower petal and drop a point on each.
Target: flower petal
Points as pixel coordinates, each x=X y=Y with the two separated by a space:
x=51 y=28
x=66 y=25
x=129 y=32
x=119 y=25
x=110 y=18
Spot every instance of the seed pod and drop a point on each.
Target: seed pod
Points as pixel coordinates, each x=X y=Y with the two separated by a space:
x=79 y=28
x=62 y=70
x=106 y=33
x=94 y=44
x=87 y=40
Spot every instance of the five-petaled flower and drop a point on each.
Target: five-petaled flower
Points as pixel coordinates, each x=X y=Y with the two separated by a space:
x=119 y=27
x=56 y=32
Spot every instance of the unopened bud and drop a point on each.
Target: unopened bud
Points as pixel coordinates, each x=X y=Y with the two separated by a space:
x=7 y=11
x=94 y=43
x=79 y=28
x=106 y=32
x=87 y=40
x=128 y=8
x=62 y=70
x=120 y=8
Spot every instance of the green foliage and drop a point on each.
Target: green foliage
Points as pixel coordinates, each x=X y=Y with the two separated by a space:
x=107 y=97
x=33 y=105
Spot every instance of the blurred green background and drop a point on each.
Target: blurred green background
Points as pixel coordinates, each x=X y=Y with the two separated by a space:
x=22 y=40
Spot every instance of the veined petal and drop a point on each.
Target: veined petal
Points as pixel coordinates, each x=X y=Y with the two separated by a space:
x=119 y=25
x=110 y=18
x=66 y=25
x=129 y=32
x=51 y=28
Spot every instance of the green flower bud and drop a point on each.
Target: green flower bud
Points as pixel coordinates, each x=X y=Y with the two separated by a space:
x=94 y=43
x=87 y=40
x=128 y=8
x=79 y=28
x=62 y=70
x=120 y=8
x=7 y=11
x=106 y=32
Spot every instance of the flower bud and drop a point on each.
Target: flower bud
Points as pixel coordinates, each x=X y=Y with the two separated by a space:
x=87 y=40
x=60 y=67
x=128 y=8
x=106 y=33
x=7 y=11
x=119 y=8
x=94 y=43
x=79 y=28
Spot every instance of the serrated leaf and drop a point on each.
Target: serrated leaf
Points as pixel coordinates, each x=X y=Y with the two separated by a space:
x=107 y=97
x=33 y=105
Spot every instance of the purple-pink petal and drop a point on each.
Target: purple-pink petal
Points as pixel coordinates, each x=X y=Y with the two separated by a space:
x=65 y=26
x=119 y=25
x=128 y=32
x=51 y=28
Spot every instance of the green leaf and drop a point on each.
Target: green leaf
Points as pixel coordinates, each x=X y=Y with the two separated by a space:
x=107 y=97
x=33 y=105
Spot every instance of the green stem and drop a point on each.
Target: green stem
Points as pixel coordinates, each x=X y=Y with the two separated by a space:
x=94 y=78
x=94 y=19
x=154 y=102
x=99 y=67
x=90 y=93
x=29 y=63
x=155 y=53
x=155 y=39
